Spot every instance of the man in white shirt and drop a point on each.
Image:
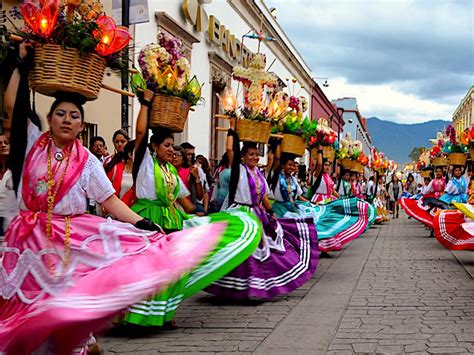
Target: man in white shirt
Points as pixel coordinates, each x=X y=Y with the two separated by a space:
x=370 y=190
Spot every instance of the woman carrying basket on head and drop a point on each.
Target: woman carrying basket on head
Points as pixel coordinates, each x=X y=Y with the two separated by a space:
x=66 y=273
x=163 y=198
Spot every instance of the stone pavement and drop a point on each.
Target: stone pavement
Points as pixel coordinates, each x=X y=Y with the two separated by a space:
x=394 y=290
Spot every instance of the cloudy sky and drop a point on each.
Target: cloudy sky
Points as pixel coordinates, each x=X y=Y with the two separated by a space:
x=405 y=60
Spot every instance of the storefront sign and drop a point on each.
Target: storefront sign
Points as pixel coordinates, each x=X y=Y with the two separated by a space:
x=217 y=33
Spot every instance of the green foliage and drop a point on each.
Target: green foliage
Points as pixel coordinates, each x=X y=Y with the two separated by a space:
x=77 y=35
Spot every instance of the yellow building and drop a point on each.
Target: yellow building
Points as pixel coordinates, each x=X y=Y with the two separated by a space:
x=462 y=117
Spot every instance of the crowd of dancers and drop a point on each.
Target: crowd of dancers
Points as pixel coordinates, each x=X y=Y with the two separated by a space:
x=445 y=206
x=123 y=240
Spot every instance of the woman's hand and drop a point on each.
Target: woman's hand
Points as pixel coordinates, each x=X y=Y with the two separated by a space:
x=193 y=170
x=148 y=95
x=232 y=123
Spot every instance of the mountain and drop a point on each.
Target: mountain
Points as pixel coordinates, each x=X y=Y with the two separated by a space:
x=397 y=140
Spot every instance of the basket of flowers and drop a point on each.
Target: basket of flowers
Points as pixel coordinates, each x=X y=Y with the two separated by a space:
x=291 y=124
x=319 y=133
x=456 y=149
x=166 y=71
x=254 y=119
x=73 y=43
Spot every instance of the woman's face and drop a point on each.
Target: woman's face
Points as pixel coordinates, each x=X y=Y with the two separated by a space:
x=439 y=173
x=4 y=145
x=346 y=176
x=289 y=167
x=457 y=172
x=164 y=151
x=327 y=167
x=251 y=158
x=177 y=159
x=65 y=122
x=410 y=179
x=120 y=142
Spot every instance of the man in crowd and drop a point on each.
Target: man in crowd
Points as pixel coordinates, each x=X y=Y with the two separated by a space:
x=97 y=147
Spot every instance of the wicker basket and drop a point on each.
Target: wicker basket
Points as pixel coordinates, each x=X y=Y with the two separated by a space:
x=457 y=159
x=329 y=153
x=293 y=144
x=425 y=174
x=347 y=164
x=439 y=161
x=357 y=167
x=380 y=171
x=253 y=131
x=169 y=112
x=57 y=69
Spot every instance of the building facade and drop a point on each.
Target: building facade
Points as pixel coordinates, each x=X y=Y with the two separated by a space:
x=462 y=117
x=355 y=124
x=321 y=107
x=212 y=32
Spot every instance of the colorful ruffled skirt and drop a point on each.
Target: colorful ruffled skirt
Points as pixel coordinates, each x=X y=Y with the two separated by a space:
x=286 y=258
x=416 y=209
x=337 y=222
x=237 y=242
x=454 y=230
x=53 y=296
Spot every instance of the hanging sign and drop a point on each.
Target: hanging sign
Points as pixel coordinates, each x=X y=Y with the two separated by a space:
x=138 y=11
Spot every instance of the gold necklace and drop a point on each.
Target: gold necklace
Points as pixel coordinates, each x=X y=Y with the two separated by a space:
x=51 y=200
x=170 y=181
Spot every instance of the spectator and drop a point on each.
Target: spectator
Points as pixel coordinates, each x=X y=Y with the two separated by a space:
x=97 y=147
x=190 y=155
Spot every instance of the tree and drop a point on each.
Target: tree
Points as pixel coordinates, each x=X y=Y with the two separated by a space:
x=415 y=153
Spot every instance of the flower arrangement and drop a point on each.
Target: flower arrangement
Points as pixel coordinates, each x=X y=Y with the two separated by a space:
x=319 y=133
x=79 y=24
x=453 y=145
x=166 y=70
x=350 y=149
x=255 y=79
x=292 y=108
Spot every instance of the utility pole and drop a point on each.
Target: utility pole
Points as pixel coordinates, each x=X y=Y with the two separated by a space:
x=124 y=105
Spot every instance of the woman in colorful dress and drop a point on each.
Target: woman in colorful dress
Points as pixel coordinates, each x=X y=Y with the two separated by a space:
x=454 y=229
x=410 y=186
x=120 y=138
x=380 y=200
x=456 y=189
x=323 y=188
x=417 y=208
x=288 y=254
x=119 y=172
x=163 y=198
x=65 y=273
x=344 y=188
x=189 y=175
x=337 y=222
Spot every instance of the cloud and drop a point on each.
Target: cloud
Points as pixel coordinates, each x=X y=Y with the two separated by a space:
x=417 y=48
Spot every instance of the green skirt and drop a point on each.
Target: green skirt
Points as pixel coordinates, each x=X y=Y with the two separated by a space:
x=238 y=241
x=170 y=219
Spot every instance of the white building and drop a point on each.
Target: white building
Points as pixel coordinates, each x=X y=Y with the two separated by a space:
x=212 y=32
x=355 y=124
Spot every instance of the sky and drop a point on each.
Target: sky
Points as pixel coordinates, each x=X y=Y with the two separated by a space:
x=406 y=61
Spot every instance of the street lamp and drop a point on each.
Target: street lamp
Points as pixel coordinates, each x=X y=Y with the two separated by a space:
x=325 y=84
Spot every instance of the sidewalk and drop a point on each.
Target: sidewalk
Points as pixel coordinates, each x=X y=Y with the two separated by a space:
x=394 y=290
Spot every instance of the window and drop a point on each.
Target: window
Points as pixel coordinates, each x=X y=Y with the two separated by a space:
x=89 y=131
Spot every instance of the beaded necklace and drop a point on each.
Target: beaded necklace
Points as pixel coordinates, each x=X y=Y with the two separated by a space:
x=51 y=200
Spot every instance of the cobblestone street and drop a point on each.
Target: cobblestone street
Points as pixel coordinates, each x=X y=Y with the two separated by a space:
x=394 y=290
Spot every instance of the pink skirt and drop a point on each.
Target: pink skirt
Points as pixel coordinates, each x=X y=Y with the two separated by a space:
x=55 y=296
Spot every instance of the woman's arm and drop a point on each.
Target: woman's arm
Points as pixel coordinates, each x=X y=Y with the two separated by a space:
x=230 y=143
x=187 y=205
x=120 y=210
x=318 y=168
x=142 y=119
x=266 y=203
x=193 y=170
